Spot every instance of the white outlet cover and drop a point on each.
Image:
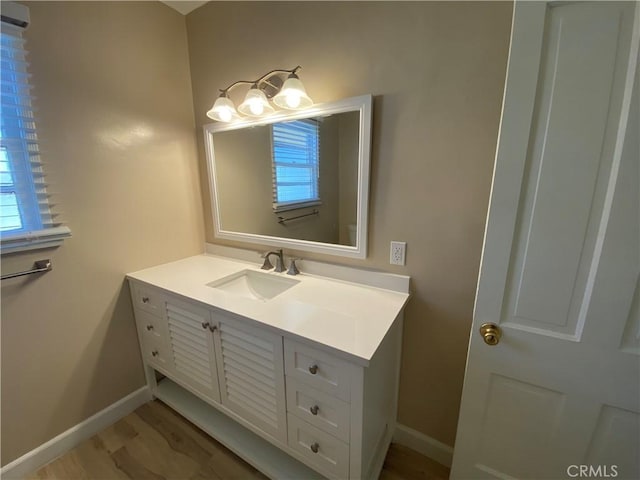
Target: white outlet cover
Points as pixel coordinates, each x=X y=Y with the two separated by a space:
x=397 y=253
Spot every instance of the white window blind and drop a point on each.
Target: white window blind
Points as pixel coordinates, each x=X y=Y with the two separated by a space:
x=296 y=158
x=26 y=221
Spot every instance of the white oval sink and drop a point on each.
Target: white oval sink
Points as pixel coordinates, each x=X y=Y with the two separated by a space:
x=254 y=284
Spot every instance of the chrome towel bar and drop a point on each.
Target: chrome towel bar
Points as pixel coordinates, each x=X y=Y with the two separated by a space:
x=282 y=220
x=39 y=267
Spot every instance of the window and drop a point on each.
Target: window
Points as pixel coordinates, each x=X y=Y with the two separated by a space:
x=296 y=157
x=26 y=221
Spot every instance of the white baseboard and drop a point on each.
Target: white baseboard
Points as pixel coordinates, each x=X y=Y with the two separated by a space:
x=429 y=447
x=67 y=440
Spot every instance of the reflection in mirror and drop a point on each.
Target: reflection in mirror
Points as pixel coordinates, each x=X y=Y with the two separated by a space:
x=300 y=181
x=311 y=174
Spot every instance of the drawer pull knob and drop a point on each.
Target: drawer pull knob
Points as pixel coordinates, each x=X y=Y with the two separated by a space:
x=149 y=327
x=145 y=299
x=205 y=325
x=314 y=447
x=154 y=353
x=313 y=369
x=314 y=410
x=213 y=328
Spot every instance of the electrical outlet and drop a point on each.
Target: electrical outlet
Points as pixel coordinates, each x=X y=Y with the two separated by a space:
x=398 y=253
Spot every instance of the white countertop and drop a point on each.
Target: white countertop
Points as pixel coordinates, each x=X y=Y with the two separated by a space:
x=350 y=318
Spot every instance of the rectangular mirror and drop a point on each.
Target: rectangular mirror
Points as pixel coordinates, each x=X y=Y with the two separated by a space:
x=294 y=180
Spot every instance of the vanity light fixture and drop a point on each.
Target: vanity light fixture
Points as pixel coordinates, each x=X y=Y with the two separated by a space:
x=289 y=94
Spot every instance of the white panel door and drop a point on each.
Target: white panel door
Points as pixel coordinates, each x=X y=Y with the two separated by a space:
x=561 y=259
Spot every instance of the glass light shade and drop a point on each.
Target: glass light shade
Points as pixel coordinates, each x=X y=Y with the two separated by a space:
x=256 y=104
x=292 y=95
x=223 y=110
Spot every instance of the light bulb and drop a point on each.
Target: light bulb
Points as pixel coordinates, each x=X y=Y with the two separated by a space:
x=223 y=110
x=293 y=100
x=224 y=114
x=292 y=95
x=256 y=108
x=255 y=104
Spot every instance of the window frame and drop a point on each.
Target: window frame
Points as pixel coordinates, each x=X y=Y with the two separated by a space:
x=18 y=138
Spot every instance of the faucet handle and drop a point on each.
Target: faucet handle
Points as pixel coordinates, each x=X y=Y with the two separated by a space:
x=293 y=269
x=267 y=265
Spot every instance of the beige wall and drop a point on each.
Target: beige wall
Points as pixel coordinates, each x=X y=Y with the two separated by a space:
x=115 y=121
x=116 y=124
x=437 y=72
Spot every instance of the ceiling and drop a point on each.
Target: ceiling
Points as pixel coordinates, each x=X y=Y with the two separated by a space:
x=184 y=6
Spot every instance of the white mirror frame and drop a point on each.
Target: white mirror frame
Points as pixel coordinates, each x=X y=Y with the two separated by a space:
x=362 y=104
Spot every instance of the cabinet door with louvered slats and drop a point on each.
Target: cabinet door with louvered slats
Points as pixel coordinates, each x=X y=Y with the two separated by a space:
x=191 y=341
x=251 y=373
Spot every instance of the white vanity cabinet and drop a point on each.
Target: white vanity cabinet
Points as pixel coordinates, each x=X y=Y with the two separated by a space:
x=342 y=415
x=290 y=406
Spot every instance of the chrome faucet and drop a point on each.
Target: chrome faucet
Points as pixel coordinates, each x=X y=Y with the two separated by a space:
x=279 y=261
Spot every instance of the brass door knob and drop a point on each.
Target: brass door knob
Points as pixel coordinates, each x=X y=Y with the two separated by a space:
x=491 y=333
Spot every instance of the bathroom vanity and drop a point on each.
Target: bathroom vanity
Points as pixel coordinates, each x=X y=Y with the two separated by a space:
x=298 y=375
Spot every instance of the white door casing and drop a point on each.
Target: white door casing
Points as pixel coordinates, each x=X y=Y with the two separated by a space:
x=561 y=258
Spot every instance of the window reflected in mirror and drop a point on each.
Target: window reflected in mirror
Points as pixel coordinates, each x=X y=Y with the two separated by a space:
x=295 y=158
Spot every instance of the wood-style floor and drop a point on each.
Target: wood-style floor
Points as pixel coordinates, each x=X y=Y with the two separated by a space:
x=156 y=443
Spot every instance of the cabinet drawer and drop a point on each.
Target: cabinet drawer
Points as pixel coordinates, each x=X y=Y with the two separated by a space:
x=327 y=454
x=318 y=408
x=318 y=369
x=150 y=326
x=155 y=352
x=146 y=299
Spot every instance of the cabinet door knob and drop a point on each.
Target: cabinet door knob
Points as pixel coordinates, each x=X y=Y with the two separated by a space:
x=213 y=328
x=205 y=324
x=314 y=410
x=314 y=447
x=154 y=353
x=313 y=369
x=149 y=327
x=145 y=299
